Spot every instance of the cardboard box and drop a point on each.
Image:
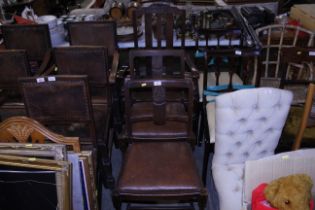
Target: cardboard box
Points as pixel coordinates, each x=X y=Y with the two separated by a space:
x=304 y=13
x=272 y=167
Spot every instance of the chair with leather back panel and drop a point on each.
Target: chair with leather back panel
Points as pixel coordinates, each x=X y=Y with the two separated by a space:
x=60 y=100
x=87 y=60
x=159 y=149
x=13 y=64
x=35 y=39
x=63 y=104
x=102 y=34
x=249 y=124
x=23 y=130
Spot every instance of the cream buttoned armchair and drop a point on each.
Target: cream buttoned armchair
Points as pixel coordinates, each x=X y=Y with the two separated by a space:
x=249 y=124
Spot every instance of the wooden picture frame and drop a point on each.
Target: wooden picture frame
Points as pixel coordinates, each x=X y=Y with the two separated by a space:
x=88 y=179
x=50 y=151
x=39 y=167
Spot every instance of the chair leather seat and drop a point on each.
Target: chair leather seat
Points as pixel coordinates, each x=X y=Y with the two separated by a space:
x=159 y=169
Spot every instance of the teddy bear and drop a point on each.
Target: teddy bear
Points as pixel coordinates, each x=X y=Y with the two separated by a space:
x=291 y=192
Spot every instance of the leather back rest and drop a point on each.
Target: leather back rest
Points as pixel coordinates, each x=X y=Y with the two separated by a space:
x=160 y=62
x=84 y=60
x=100 y=33
x=57 y=99
x=13 y=64
x=35 y=39
x=159 y=24
x=249 y=123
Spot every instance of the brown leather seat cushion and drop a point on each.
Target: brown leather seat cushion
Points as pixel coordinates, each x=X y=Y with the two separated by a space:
x=159 y=169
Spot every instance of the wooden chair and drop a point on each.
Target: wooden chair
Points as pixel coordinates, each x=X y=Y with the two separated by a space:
x=35 y=39
x=273 y=39
x=159 y=22
x=63 y=104
x=159 y=149
x=24 y=130
x=308 y=118
x=67 y=100
x=91 y=61
x=13 y=64
x=102 y=34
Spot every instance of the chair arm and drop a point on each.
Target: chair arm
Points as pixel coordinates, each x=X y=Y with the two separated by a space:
x=114 y=67
x=192 y=67
x=46 y=66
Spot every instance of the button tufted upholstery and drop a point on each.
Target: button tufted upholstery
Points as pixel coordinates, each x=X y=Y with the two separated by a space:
x=248 y=125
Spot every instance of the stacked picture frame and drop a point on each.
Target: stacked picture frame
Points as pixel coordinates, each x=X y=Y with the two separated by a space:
x=65 y=179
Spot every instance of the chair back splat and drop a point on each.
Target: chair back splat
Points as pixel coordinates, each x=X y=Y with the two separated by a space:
x=160 y=116
x=159 y=22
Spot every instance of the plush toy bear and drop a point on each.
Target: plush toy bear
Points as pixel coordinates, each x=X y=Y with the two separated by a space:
x=290 y=193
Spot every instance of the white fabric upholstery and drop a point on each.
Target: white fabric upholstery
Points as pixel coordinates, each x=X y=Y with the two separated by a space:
x=223 y=79
x=248 y=125
x=211 y=120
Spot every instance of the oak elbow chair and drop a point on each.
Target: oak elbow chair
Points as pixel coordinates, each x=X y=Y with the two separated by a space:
x=63 y=104
x=159 y=148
